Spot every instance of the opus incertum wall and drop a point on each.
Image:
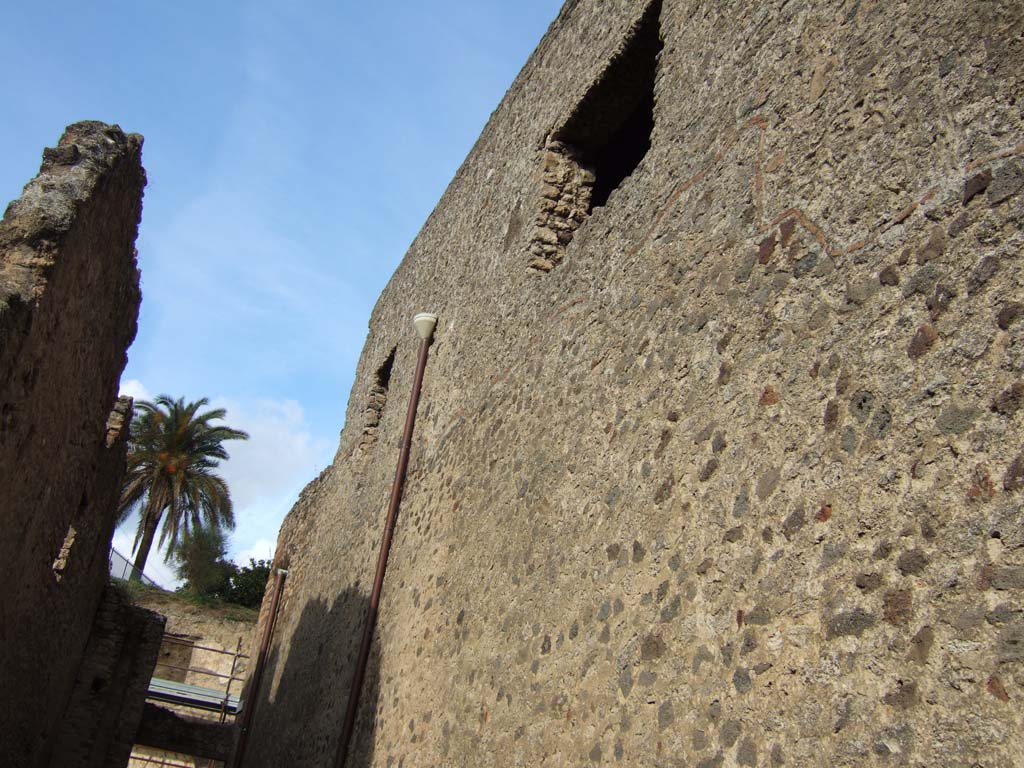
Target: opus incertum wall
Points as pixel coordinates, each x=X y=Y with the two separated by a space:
x=719 y=457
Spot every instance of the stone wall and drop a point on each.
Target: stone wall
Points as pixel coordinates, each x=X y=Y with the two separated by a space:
x=69 y=298
x=736 y=478
x=104 y=711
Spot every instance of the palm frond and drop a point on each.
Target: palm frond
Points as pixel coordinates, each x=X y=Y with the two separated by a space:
x=173 y=452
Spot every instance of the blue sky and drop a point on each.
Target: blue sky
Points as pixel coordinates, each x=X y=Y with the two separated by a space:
x=293 y=152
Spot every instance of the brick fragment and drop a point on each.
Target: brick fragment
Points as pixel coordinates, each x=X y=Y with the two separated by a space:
x=996 y=688
x=786 y=230
x=923 y=340
x=766 y=249
x=897 y=606
x=981 y=488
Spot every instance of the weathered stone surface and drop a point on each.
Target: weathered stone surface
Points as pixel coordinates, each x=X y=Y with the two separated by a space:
x=164 y=729
x=69 y=297
x=756 y=214
x=99 y=723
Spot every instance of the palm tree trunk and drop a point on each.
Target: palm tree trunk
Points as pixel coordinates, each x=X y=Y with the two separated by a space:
x=151 y=519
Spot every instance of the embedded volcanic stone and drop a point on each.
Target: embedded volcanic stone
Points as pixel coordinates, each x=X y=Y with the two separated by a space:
x=921 y=645
x=845 y=623
x=982 y=273
x=1010 y=400
x=1009 y=313
x=976 y=184
x=1007 y=181
x=889 y=276
x=911 y=562
x=1008 y=577
x=1013 y=480
x=934 y=247
x=741 y=680
x=897 y=605
x=904 y=696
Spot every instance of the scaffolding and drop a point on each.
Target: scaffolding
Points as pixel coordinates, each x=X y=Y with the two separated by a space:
x=209 y=690
x=201 y=697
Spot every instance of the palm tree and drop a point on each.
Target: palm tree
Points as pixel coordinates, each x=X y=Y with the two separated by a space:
x=172 y=450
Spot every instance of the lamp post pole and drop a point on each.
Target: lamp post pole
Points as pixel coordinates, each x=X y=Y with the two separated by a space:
x=424 y=323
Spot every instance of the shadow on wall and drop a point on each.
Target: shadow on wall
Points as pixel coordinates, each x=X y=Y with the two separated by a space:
x=299 y=720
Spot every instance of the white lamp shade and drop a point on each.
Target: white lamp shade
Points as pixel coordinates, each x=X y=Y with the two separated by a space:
x=425 y=322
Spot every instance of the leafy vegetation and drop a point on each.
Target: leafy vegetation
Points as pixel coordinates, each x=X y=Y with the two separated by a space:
x=210 y=577
x=202 y=563
x=249 y=583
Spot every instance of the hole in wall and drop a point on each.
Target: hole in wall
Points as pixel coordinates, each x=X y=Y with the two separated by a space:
x=605 y=138
x=614 y=162
x=376 y=399
x=383 y=376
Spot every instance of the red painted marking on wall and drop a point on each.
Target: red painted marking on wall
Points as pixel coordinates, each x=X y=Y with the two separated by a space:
x=760 y=123
x=999 y=155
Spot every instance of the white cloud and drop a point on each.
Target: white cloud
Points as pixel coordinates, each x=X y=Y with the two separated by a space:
x=266 y=472
x=135 y=389
x=261 y=549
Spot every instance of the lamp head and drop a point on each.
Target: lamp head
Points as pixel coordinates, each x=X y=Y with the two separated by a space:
x=425 y=322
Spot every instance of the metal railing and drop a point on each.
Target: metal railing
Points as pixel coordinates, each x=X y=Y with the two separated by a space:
x=208 y=698
x=121 y=568
x=168 y=762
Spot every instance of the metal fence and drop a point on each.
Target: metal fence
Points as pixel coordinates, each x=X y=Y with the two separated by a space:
x=122 y=568
x=195 y=685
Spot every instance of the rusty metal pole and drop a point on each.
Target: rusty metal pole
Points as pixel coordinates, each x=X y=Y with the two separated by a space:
x=231 y=679
x=249 y=705
x=424 y=323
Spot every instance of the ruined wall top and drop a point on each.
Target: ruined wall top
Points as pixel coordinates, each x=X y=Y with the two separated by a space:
x=69 y=300
x=34 y=224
